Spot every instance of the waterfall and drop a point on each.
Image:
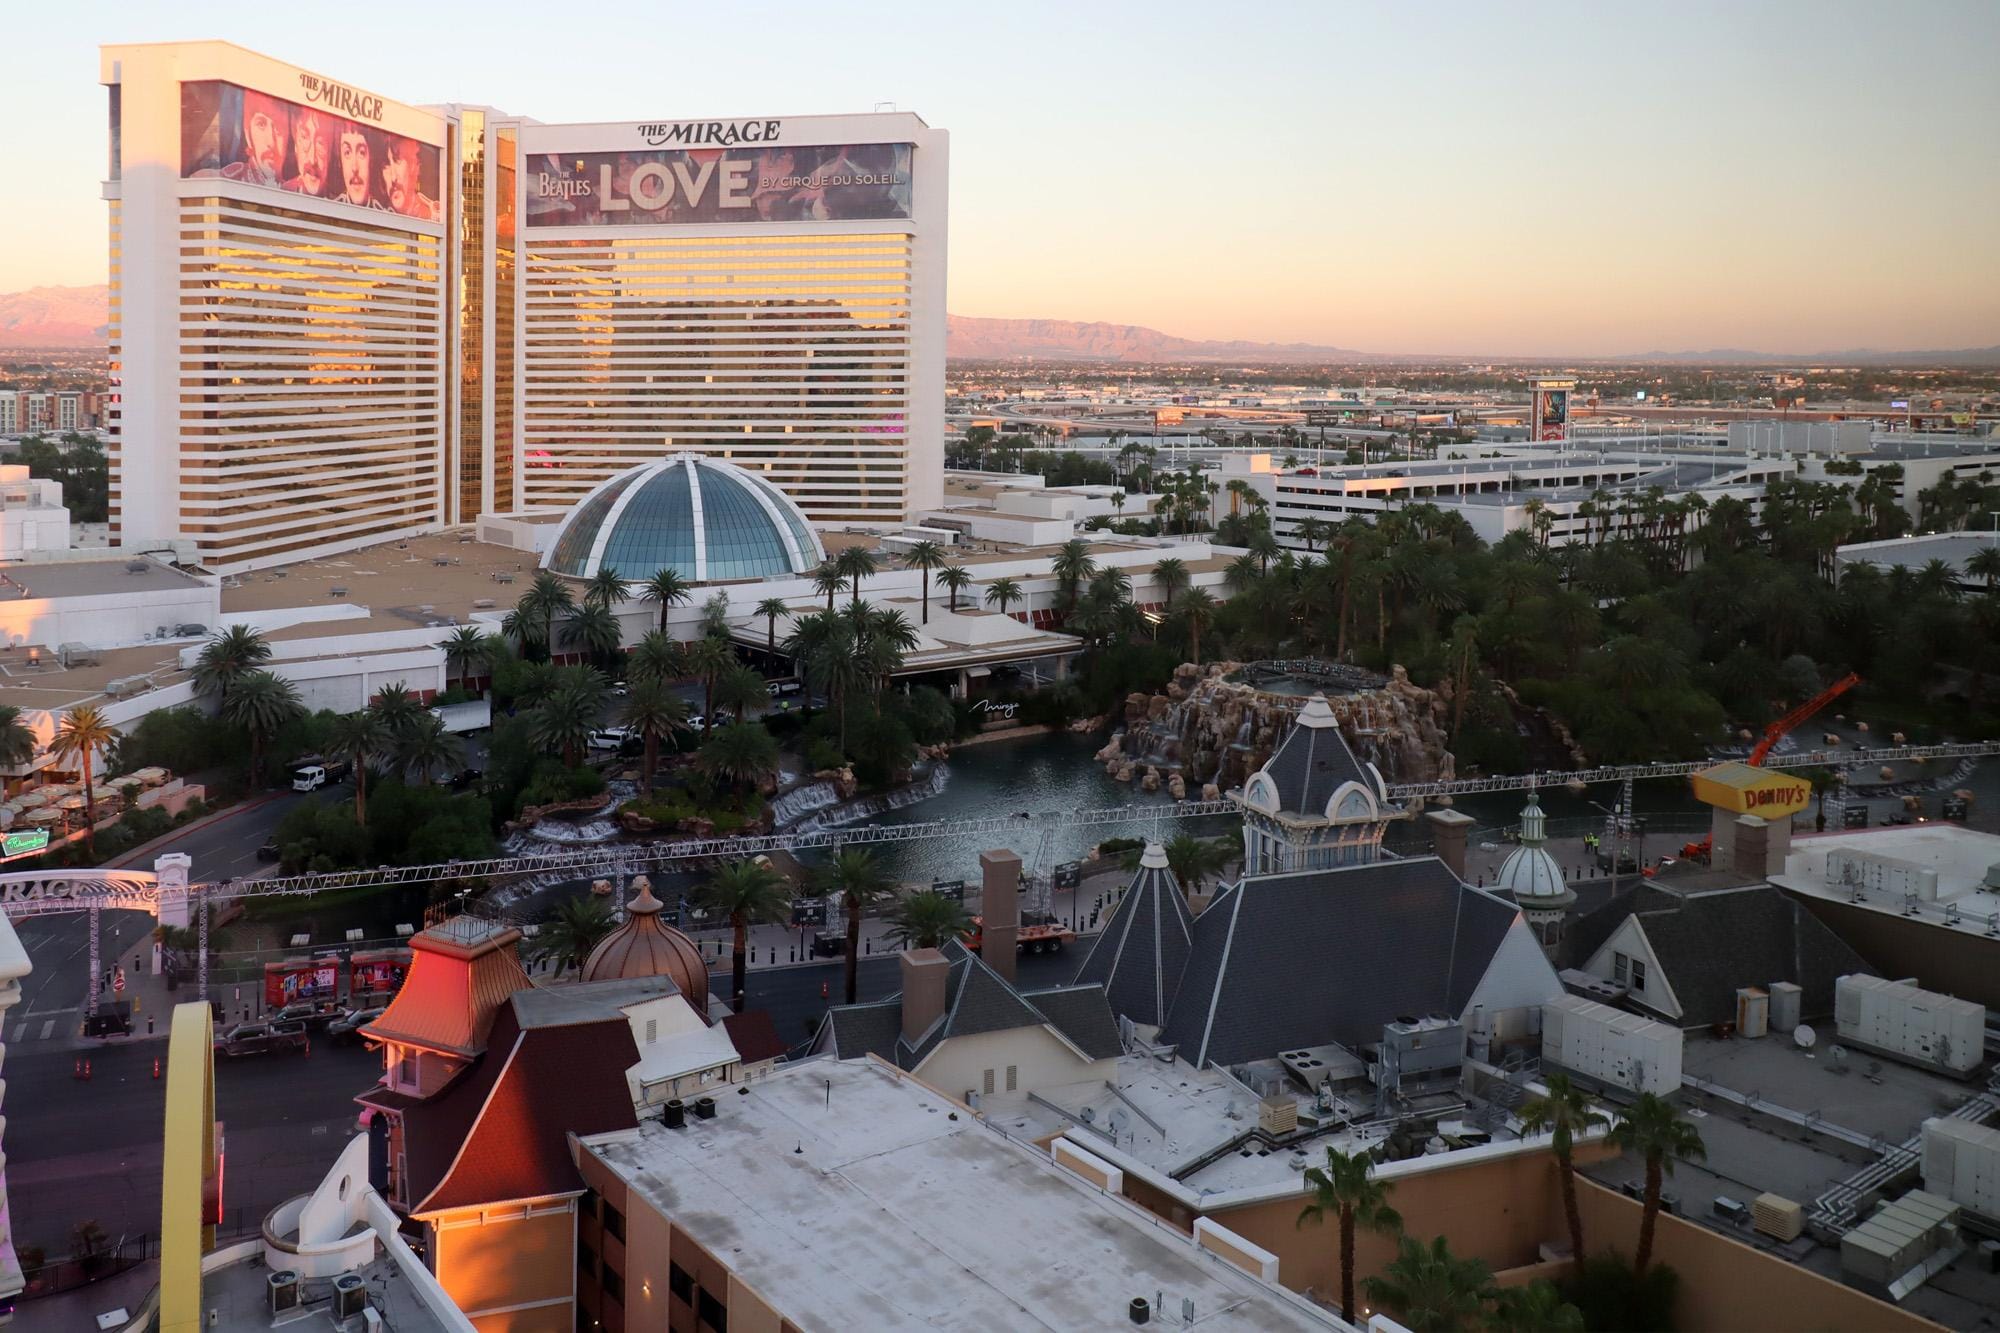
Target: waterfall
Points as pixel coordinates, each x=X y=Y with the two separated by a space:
x=801 y=801
x=867 y=807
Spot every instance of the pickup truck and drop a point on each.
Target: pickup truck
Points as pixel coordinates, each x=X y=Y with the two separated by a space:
x=262 y=1039
x=312 y=773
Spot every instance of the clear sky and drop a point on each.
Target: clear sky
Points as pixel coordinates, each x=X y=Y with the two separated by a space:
x=1512 y=178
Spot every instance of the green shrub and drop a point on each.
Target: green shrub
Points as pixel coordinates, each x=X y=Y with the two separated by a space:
x=823 y=752
x=1614 y=1297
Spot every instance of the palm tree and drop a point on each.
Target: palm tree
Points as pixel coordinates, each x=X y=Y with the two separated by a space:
x=83 y=730
x=740 y=756
x=668 y=589
x=1172 y=576
x=468 y=647
x=397 y=706
x=656 y=658
x=228 y=657
x=1003 y=593
x=771 y=608
x=1653 y=1128
x=1347 y=1189
x=1563 y=1112
x=1195 y=613
x=708 y=657
x=261 y=703
x=858 y=878
x=363 y=738
x=926 y=556
x=926 y=919
x=547 y=597
x=744 y=891
x=1194 y=859
x=426 y=747
x=653 y=712
x=955 y=580
x=738 y=687
x=606 y=589
x=17 y=742
x=1311 y=531
x=1535 y=1308
x=829 y=579
x=1072 y=566
x=562 y=722
x=1984 y=563
x=578 y=926
x=855 y=564
x=1430 y=1289
x=595 y=630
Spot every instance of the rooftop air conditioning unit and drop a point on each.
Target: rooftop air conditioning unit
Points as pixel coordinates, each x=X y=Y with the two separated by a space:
x=350 y=1296
x=283 y=1288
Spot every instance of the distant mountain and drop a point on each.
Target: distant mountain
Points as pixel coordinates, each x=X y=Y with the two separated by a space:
x=975 y=338
x=54 y=317
x=1851 y=356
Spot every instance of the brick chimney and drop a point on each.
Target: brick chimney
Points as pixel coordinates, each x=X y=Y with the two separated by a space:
x=1751 y=854
x=924 y=974
x=1000 y=909
x=1448 y=830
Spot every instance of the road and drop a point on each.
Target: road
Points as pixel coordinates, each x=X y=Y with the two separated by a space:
x=91 y=1151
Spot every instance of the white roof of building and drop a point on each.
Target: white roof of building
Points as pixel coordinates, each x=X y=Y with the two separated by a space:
x=1883 y=869
x=849 y=1193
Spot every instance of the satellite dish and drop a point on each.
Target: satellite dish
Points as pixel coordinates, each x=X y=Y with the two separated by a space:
x=1803 y=1037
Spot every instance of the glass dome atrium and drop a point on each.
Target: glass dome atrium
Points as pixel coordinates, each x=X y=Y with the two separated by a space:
x=706 y=519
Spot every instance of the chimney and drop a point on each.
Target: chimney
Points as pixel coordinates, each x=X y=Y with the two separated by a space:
x=1448 y=830
x=924 y=973
x=1000 y=909
x=1753 y=844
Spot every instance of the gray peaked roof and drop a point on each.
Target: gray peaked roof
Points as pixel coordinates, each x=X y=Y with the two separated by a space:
x=976 y=999
x=1140 y=955
x=1313 y=762
x=1317 y=956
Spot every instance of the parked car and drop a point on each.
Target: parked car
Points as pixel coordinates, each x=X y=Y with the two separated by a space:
x=348 y=1026
x=610 y=738
x=312 y=1013
x=269 y=851
x=273 y=1038
x=784 y=689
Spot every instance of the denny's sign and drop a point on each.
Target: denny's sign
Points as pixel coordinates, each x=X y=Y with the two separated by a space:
x=1752 y=791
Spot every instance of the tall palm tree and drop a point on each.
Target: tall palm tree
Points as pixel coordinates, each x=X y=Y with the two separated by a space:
x=740 y=756
x=1430 y=1289
x=859 y=879
x=578 y=926
x=829 y=579
x=1347 y=1189
x=1563 y=1112
x=595 y=630
x=667 y=588
x=82 y=732
x=656 y=658
x=653 y=712
x=1653 y=1128
x=470 y=651
x=1072 y=566
x=17 y=742
x=546 y=598
x=954 y=579
x=708 y=657
x=1193 y=860
x=1173 y=577
x=427 y=747
x=261 y=703
x=1196 y=613
x=738 y=688
x=562 y=722
x=744 y=891
x=1003 y=593
x=606 y=588
x=363 y=738
x=855 y=564
x=1311 y=531
x=1984 y=563
x=771 y=608
x=397 y=706
x=926 y=919
x=925 y=556
x=227 y=657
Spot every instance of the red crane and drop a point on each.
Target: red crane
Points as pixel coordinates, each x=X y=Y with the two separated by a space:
x=1700 y=851
x=1776 y=731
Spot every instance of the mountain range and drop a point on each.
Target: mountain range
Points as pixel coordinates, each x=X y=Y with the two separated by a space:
x=74 y=318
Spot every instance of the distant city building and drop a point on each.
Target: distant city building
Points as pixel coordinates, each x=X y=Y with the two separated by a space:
x=337 y=318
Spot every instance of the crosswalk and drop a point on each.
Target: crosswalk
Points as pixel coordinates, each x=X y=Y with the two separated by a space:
x=46 y=1025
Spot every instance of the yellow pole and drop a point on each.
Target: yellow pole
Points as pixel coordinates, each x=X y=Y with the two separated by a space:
x=185 y=1232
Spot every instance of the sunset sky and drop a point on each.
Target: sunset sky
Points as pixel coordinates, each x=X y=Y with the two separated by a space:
x=1513 y=179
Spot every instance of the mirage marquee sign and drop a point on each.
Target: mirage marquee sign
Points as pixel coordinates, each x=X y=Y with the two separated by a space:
x=35 y=891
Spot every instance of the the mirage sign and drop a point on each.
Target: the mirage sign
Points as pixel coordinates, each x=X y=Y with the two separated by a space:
x=34 y=891
x=737 y=176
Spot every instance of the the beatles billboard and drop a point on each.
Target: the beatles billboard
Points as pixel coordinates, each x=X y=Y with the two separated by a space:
x=328 y=151
x=648 y=187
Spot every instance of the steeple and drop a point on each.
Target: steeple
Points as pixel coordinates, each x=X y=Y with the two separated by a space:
x=1313 y=805
x=1532 y=878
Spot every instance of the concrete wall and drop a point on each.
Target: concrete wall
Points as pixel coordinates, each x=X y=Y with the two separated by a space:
x=1039 y=1059
x=506 y=1258
x=1951 y=961
x=108 y=621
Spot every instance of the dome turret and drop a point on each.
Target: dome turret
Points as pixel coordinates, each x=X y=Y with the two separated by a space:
x=646 y=946
x=1531 y=877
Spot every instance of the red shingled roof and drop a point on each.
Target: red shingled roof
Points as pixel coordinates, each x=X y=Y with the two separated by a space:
x=461 y=973
x=532 y=1089
x=754 y=1036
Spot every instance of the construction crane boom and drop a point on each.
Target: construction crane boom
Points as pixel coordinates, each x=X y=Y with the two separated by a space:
x=1778 y=730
